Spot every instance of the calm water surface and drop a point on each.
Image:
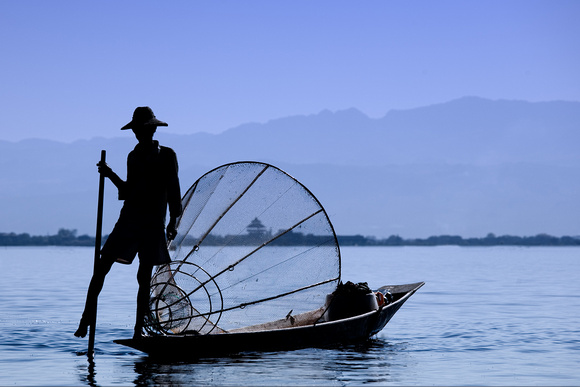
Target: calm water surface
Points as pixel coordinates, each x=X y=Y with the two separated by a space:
x=487 y=316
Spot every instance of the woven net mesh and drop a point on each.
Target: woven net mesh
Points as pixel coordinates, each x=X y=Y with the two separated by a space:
x=253 y=246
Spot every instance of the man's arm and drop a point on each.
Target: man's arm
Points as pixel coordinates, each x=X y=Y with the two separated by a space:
x=106 y=171
x=173 y=195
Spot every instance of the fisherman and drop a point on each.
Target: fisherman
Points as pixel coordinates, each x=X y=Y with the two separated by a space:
x=152 y=185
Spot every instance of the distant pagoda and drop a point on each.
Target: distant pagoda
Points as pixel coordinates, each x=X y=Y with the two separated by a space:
x=256 y=228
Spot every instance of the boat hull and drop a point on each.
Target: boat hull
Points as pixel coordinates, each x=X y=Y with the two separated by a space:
x=324 y=334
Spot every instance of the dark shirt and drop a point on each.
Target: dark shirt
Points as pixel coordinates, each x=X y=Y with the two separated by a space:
x=152 y=184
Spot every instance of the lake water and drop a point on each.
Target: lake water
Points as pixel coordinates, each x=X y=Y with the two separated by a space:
x=486 y=316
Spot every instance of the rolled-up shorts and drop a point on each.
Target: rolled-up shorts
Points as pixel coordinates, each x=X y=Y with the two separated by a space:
x=129 y=239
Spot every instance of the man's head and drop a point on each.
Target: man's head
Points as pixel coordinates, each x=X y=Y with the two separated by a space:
x=143 y=117
x=144 y=124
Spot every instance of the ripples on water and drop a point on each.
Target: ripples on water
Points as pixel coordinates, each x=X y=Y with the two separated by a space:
x=344 y=365
x=495 y=316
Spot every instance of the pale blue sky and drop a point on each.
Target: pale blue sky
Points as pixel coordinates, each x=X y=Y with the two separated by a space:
x=77 y=69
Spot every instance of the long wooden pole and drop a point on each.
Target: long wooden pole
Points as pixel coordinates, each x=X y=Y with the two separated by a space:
x=97 y=250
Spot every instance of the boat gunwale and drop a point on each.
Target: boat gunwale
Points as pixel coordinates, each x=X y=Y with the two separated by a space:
x=140 y=344
x=400 y=300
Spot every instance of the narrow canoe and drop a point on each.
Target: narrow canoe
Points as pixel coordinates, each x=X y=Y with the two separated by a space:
x=320 y=334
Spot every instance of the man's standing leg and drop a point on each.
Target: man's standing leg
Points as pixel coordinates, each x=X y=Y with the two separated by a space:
x=102 y=269
x=144 y=279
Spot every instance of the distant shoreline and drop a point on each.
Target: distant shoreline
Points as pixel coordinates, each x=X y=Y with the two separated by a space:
x=454 y=240
x=66 y=237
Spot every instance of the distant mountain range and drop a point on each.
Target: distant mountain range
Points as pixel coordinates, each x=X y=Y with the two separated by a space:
x=466 y=167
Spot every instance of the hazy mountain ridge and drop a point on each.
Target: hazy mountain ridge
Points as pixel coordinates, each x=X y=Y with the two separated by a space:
x=468 y=130
x=468 y=167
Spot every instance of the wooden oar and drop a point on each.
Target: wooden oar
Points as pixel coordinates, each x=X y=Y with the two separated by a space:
x=97 y=250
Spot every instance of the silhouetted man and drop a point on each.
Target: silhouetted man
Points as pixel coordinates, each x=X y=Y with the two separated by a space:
x=152 y=185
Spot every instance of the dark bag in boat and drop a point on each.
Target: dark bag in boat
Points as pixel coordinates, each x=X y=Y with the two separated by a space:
x=349 y=300
x=350 y=288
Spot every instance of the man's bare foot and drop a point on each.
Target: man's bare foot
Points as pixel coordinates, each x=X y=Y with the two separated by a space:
x=82 y=330
x=139 y=335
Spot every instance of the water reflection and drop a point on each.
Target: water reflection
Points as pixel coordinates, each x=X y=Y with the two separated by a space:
x=87 y=371
x=363 y=363
x=368 y=362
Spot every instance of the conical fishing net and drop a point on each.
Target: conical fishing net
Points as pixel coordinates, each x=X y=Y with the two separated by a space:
x=254 y=246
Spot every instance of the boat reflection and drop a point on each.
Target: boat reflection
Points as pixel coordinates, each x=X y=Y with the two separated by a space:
x=367 y=362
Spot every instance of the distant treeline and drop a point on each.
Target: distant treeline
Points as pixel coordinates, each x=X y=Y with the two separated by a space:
x=443 y=240
x=66 y=237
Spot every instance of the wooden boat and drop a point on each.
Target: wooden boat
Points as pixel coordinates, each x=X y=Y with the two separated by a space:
x=228 y=286
x=292 y=333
